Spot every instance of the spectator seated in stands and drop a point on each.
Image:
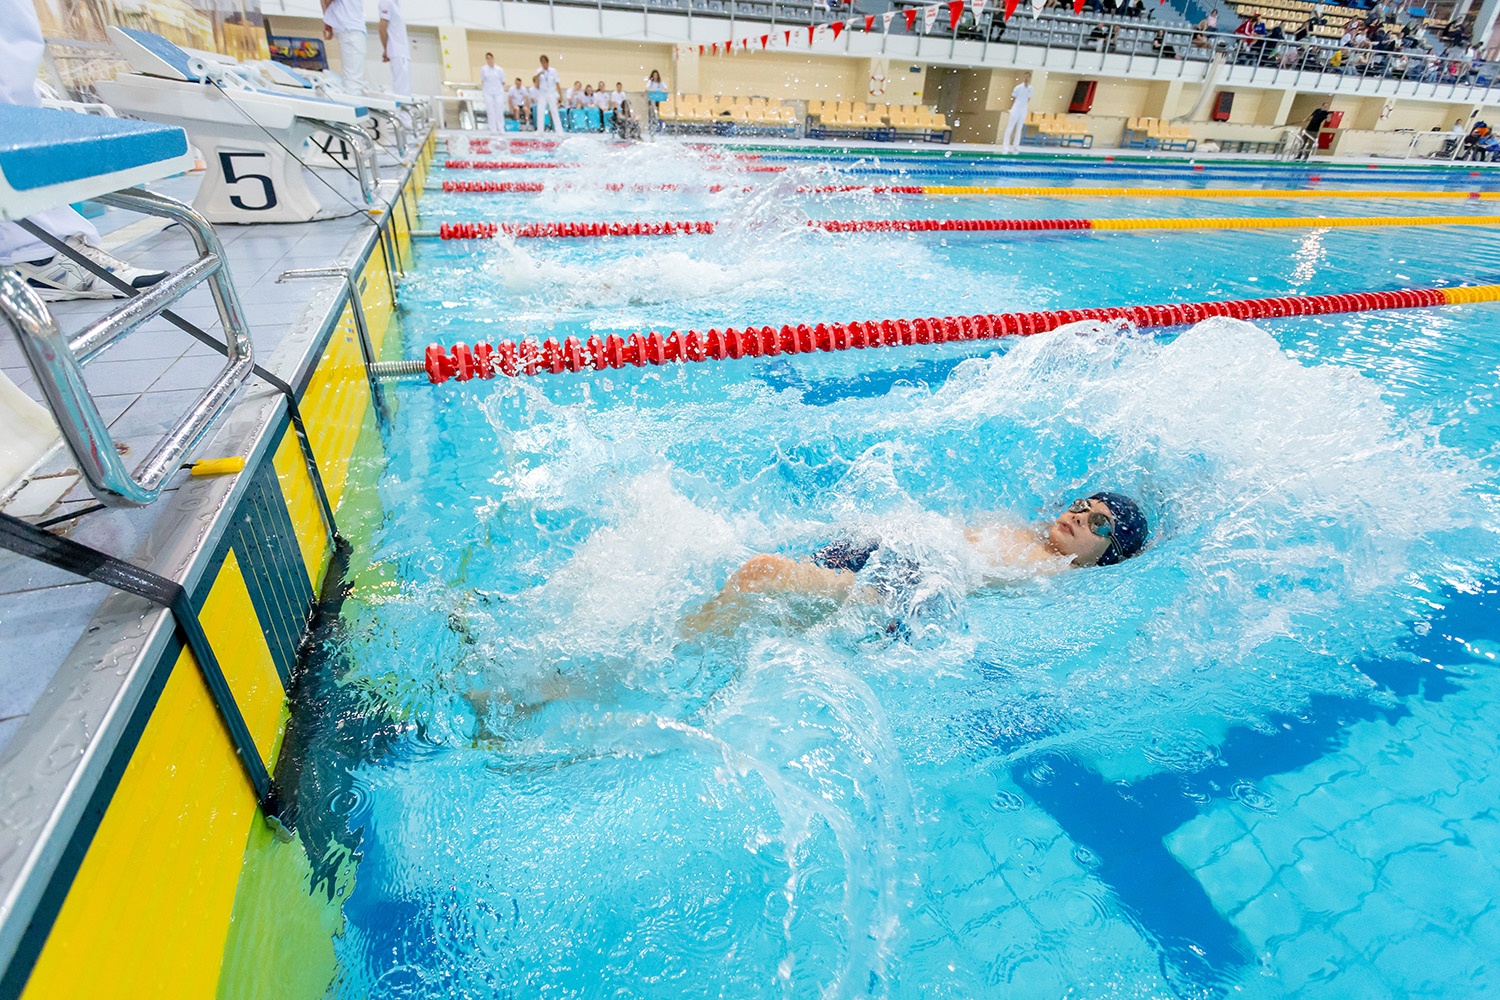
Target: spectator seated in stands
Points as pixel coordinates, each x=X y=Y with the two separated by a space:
x=627 y=125
x=1136 y=9
x=1160 y=46
x=1480 y=143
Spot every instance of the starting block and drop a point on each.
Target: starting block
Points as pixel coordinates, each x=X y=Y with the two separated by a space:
x=251 y=137
x=387 y=123
x=48 y=158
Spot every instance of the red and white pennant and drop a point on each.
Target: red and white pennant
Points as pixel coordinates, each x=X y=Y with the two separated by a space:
x=929 y=15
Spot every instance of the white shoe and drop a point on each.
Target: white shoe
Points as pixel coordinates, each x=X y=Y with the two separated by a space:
x=62 y=278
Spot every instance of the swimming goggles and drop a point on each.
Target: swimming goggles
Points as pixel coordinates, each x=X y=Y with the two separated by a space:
x=1100 y=523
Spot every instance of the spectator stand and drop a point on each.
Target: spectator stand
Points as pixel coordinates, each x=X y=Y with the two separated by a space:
x=1157 y=133
x=1056 y=130
x=877 y=123
x=696 y=114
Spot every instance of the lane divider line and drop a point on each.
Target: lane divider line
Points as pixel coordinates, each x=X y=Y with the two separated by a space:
x=1221 y=193
x=510 y=358
x=569 y=230
x=528 y=187
x=551 y=165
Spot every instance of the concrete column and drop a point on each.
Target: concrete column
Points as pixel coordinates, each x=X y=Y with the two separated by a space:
x=453 y=48
x=1162 y=99
x=1275 y=106
x=684 y=70
x=1485 y=21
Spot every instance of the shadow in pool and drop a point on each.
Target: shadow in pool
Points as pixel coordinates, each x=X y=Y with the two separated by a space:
x=1125 y=824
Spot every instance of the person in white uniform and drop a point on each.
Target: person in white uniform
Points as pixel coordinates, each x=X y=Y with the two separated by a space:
x=618 y=97
x=1015 y=127
x=53 y=276
x=546 y=85
x=492 y=82
x=344 y=22
x=396 y=48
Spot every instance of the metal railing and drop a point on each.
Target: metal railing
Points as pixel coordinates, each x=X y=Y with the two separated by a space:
x=57 y=361
x=1148 y=47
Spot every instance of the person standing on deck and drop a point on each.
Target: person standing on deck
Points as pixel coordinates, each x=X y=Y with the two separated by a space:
x=492 y=82
x=1015 y=127
x=1311 y=129
x=546 y=83
x=344 y=21
x=396 y=48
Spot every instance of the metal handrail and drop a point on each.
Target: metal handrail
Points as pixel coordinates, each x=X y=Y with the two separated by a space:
x=59 y=371
x=366 y=164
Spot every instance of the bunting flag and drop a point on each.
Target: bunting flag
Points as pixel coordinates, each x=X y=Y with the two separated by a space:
x=885 y=21
x=1010 y=8
x=1077 y=6
x=788 y=39
x=838 y=26
x=955 y=11
x=870 y=21
x=701 y=49
x=910 y=14
x=929 y=17
x=715 y=48
x=979 y=5
x=765 y=40
x=811 y=30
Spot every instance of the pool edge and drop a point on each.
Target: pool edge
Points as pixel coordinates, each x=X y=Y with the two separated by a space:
x=91 y=782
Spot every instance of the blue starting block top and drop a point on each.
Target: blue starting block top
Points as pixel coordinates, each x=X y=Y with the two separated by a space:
x=50 y=158
x=154 y=55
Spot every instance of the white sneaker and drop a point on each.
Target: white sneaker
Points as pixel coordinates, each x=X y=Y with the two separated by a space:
x=62 y=278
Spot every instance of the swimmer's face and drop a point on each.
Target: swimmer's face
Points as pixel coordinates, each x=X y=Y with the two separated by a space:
x=1070 y=534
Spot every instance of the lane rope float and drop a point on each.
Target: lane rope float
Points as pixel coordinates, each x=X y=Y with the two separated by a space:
x=511 y=187
x=1224 y=193
x=566 y=230
x=484 y=360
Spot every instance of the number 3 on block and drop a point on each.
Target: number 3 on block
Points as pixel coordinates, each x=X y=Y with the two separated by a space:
x=226 y=161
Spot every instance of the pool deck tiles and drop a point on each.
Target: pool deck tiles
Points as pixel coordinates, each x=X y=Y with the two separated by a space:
x=143 y=384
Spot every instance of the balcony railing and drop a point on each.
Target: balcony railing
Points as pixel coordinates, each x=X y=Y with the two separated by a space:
x=1148 y=47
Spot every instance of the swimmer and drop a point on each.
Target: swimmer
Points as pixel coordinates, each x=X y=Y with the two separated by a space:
x=1099 y=530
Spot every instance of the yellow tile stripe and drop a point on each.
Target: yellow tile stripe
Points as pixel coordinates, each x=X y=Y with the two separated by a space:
x=1224 y=193
x=147 y=913
x=1293 y=222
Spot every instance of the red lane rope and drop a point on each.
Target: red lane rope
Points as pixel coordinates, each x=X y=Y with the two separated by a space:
x=485 y=360
x=501 y=187
x=505 y=165
x=506 y=187
x=947 y=225
x=542 y=230
x=549 y=230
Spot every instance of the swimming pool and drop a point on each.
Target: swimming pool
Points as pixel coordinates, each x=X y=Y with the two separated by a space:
x=1254 y=759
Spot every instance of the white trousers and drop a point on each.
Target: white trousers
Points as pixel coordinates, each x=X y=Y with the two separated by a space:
x=401 y=77
x=20 y=57
x=494 y=109
x=548 y=103
x=1016 y=126
x=352 y=58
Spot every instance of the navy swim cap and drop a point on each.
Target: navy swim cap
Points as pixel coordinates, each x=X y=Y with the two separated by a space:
x=1130 y=526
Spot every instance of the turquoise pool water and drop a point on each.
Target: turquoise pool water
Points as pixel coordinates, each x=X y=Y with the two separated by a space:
x=1256 y=760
